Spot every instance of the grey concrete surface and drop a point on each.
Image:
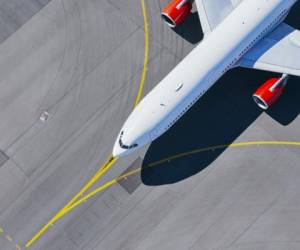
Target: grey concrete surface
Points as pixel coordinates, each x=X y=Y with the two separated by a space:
x=14 y=13
x=81 y=61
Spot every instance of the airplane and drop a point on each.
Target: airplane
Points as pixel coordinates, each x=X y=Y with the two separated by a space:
x=237 y=33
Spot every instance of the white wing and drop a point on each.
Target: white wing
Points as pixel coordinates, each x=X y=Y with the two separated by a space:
x=213 y=12
x=277 y=52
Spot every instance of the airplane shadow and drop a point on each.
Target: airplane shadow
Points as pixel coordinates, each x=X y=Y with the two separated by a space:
x=219 y=117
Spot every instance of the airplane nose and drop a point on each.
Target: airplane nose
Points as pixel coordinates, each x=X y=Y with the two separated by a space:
x=117 y=151
x=126 y=144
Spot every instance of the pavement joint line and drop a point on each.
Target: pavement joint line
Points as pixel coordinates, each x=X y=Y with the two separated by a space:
x=23 y=24
x=75 y=201
x=123 y=13
x=130 y=34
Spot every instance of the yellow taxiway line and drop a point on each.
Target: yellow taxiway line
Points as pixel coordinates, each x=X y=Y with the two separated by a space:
x=99 y=189
x=178 y=156
x=233 y=145
x=75 y=201
x=146 y=54
x=10 y=239
x=175 y=157
x=106 y=166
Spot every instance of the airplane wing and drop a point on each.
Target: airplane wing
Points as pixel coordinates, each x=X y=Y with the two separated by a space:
x=213 y=12
x=277 y=52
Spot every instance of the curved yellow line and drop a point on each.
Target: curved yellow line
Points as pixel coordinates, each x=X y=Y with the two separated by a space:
x=233 y=145
x=146 y=54
x=107 y=165
x=175 y=157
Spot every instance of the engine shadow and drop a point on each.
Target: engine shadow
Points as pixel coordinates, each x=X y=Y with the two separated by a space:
x=287 y=108
x=219 y=117
x=190 y=29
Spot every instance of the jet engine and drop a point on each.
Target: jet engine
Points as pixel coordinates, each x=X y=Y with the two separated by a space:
x=176 y=12
x=270 y=92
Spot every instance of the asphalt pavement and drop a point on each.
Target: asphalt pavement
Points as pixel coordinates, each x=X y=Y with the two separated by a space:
x=69 y=74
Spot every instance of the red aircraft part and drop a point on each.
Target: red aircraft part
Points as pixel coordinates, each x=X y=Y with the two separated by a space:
x=176 y=12
x=269 y=93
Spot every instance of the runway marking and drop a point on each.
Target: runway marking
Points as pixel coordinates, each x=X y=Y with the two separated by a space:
x=10 y=239
x=175 y=157
x=146 y=54
x=18 y=247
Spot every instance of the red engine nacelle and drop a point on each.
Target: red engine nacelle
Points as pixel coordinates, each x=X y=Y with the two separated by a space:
x=176 y=12
x=269 y=92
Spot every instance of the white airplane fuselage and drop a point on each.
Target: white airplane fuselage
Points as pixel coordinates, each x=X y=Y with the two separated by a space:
x=219 y=51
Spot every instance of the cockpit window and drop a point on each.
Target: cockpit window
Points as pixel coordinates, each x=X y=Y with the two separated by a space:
x=124 y=146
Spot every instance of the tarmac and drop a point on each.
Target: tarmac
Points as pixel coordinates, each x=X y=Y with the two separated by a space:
x=69 y=74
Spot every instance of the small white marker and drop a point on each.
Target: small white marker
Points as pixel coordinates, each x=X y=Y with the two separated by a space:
x=44 y=116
